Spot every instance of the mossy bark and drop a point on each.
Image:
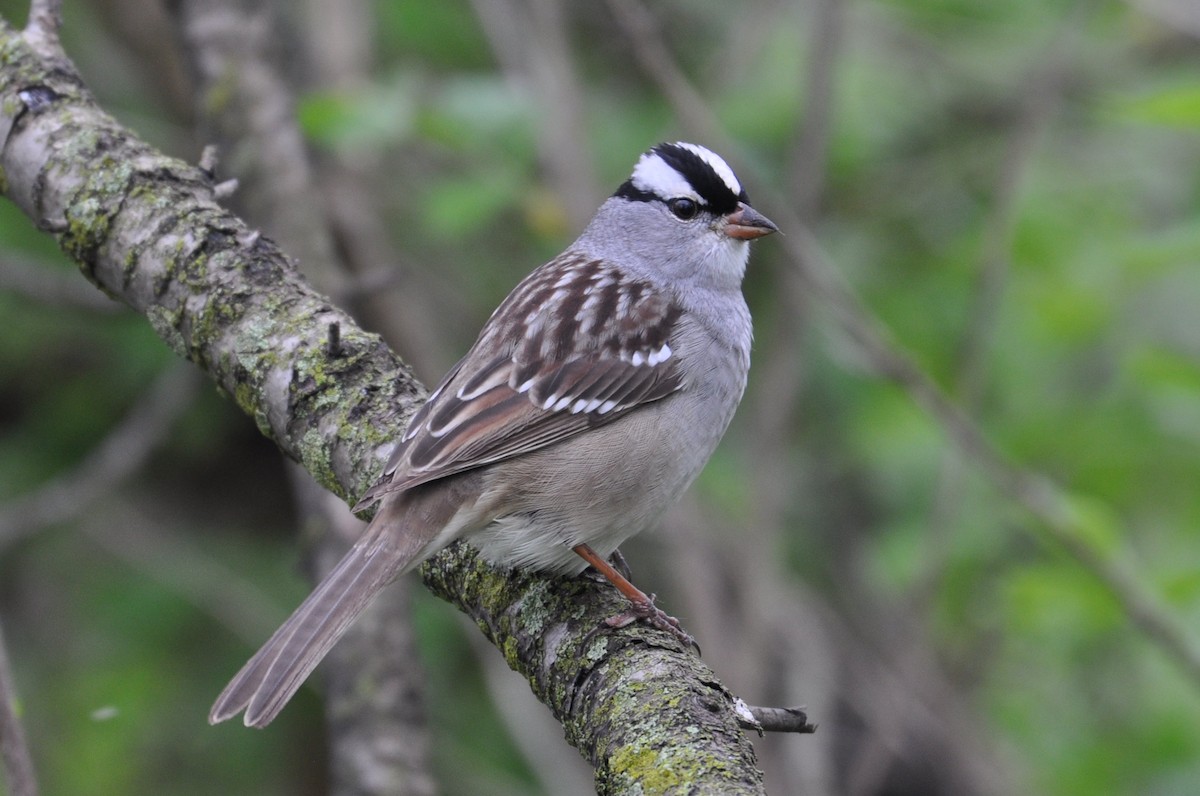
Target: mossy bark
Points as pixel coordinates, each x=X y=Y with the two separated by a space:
x=145 y=228
x=650 y=716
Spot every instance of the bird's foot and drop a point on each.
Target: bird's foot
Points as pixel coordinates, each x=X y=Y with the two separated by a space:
x=646 y=611
x=641 y=606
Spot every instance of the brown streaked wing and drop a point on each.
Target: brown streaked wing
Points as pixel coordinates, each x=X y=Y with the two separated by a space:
x=557 y=382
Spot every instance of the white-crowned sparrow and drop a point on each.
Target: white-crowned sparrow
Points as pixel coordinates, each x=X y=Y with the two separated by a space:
x=594 y=395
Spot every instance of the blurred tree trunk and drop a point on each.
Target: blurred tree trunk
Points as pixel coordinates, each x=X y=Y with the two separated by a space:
x=374 y=695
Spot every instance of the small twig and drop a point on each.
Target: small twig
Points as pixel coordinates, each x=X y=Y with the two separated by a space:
x=225 y=189
x=46 y=16
x=14 y=749
x=41 y=31
x=210 y=158
x=334 y=346
x=763 y=720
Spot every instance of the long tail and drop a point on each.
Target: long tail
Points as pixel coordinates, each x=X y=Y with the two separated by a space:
x=275 y=673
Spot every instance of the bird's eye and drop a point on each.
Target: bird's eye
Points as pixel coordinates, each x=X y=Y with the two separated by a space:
x=683 y=208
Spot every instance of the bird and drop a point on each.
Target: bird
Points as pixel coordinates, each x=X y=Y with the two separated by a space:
x=592 y=397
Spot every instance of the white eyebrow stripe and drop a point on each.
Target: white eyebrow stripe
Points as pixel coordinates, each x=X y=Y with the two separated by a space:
x=652 y=174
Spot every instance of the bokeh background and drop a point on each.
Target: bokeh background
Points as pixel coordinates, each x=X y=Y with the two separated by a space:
x=996 y=200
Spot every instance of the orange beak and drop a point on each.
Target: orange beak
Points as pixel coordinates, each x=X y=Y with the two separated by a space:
x=746 y=223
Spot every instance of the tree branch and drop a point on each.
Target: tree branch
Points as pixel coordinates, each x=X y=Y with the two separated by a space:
x=620 y=697
x=145 y=228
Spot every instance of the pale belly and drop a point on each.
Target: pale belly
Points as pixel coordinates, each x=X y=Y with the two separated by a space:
x=633 y=470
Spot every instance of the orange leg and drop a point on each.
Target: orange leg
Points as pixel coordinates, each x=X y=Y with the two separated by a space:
x=641 y=605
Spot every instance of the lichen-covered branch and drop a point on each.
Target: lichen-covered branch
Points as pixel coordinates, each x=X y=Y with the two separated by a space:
x=627 y=701
x=146 y=229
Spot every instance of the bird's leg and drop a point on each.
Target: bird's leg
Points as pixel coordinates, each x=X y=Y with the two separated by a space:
x=641 y=605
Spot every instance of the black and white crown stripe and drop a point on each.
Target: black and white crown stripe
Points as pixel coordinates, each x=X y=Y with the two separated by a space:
x=670 y=171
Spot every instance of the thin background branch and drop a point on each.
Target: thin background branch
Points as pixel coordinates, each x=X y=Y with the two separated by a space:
x=832 y=663
x=1179 y=14
x=14 y=750
x=1042 y=100
x=52 y=286
x=173 y=560
x=390 y=289
x=124 y=451
x=546 y=75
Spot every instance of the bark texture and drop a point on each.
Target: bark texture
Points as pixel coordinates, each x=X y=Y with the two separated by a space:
x=146 y=229
x=648 y=715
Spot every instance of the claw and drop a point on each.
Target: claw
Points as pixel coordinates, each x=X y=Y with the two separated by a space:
x=641 y=606
x=654 y=616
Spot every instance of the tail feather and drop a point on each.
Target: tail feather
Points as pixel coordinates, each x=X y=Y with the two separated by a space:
x=408 y=527
x=275 y=673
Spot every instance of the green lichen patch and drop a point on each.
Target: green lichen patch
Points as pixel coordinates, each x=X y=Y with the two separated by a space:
x=643 y=766
x=537 y=607
x=91 y=209
x=314 y=455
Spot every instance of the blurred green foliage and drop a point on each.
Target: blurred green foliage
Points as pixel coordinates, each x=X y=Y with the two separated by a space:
x=1091 y=374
